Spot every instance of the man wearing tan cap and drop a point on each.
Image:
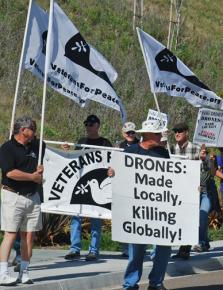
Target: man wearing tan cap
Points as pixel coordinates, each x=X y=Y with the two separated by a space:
x=129 y=134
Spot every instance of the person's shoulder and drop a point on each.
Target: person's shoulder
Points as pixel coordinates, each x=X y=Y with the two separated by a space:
x=134 y=148
x=82 y=140
x=193 y=145
x=6 y=145
x=122 y=144
x=106 y=142
x=162 y=151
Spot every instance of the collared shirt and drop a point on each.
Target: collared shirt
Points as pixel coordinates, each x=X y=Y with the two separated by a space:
x=125 y=143
x=188 y=149
x=14 y=155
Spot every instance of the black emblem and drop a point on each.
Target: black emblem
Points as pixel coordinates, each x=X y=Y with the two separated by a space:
x=94 y=188
x=78 y=51
x=44 y=39
x=167 y=61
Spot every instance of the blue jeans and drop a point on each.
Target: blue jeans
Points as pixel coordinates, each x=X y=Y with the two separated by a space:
x=75 y=234
x=205 y=206
x=134 y=269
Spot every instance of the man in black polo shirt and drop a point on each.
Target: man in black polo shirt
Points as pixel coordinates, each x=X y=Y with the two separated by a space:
x=20 y=203
x=92 y=125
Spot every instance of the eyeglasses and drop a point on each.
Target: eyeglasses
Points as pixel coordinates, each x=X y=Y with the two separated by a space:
x=179 y=131
x=32 y=128
x=130 y=133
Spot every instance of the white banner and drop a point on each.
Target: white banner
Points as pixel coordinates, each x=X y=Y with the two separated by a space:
x=155 y=200
x=209 y=129
x=76 y=183
x=168 y=74
x=155 y=115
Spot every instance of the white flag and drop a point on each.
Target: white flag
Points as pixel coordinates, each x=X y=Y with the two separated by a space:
x=171 y=76
x=81 y=67
x=64 y=75
x=35 y=50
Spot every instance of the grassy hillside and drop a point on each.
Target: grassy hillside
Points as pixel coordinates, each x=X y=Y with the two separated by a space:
x=107 y=25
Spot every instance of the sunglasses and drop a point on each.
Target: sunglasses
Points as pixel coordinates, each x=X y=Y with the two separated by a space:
x=130 y=133
x=89 y=124
x=32 y=128
x=179 y=131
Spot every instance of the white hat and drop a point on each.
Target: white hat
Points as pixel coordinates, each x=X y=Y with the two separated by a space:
x=152 y=126
x=129 y=126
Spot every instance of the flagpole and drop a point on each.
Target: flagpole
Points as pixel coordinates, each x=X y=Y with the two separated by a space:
x=147 y=68
x=20 y=69
x=47 y=62
x=154 y=94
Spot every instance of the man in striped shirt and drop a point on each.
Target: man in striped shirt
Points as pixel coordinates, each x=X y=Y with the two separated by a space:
x=191 y=151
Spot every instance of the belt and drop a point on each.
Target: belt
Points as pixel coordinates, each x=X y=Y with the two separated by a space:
x=9 y=189
x=12 y=190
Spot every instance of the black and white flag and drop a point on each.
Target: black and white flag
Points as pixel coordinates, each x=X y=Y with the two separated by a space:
x=77 y=70
x=170 y=75
x=35 y=52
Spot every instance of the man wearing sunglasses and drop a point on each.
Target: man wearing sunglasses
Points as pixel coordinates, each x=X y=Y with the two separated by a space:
x=92 y=126
x=20 y=202
x=183 y=145
x=186 y=148
x=129 y=134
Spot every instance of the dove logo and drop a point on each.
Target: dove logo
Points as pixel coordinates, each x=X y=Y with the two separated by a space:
x=167 y=61
x=79 y=52
x=94 y=188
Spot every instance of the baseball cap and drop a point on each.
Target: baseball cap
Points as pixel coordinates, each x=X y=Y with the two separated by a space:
x=92 y=119
x=152 y=126
x=180 y=126
x=129 y=126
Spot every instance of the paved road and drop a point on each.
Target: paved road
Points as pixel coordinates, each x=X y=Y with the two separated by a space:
x=50 y=271
x=205 y=281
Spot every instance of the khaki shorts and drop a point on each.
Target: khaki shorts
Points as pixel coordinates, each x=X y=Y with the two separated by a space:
x=19 y=212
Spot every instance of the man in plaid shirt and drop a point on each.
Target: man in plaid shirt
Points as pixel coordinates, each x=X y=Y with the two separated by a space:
x=184 y=147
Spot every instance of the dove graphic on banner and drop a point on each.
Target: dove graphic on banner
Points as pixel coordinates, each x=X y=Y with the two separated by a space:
x=170 y=75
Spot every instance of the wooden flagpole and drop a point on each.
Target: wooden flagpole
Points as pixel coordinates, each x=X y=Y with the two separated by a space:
x=20 y=70
x=47 y=62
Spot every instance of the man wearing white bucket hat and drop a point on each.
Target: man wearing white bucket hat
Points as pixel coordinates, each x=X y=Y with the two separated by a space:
x=151 y=132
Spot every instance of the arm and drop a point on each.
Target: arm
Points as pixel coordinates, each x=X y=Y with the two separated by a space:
x=19 y=175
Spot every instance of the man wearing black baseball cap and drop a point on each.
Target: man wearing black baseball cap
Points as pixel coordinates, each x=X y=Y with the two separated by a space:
x=180 y=127
x=91 y=119
x=92 y=125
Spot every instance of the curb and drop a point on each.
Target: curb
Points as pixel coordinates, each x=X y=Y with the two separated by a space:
x=88 y=280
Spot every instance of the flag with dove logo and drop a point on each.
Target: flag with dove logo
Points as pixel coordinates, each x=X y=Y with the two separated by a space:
x=168 y=74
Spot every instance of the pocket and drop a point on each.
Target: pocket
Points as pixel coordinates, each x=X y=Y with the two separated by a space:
x=9 y=197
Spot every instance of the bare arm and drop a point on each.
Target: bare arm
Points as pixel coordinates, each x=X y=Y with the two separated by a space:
x=19 y=175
